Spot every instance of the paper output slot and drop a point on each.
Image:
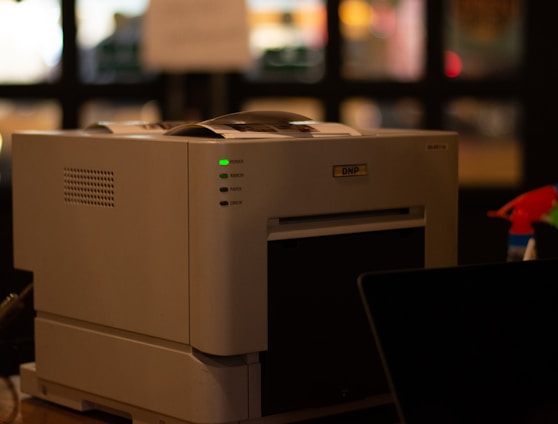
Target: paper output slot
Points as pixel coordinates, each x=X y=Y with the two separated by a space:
x=324 y=225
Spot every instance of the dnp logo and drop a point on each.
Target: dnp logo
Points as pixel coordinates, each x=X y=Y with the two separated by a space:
x=353 y=170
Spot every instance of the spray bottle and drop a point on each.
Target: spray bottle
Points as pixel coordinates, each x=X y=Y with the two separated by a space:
x=522 y=211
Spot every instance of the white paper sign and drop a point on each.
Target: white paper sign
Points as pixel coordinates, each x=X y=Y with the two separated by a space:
x=196 y=35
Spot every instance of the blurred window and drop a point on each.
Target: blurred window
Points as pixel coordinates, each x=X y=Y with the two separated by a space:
x=490 y=150
x=108 y=37
x=31 y=46
x=287 y=40
x=365 y=113
x=306 y=106
x=98 y=110
x=19 y=115
x=483 y=38
x=383 y=39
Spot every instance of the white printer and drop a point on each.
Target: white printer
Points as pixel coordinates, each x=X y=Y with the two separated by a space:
x=207 y=273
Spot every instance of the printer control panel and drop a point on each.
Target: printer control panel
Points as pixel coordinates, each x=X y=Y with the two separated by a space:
x=231 y=175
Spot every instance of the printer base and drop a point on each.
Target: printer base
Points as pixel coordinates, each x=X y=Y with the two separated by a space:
x=83 y=401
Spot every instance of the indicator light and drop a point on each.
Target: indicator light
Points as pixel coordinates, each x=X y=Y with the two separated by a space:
x=224 y=162
x=223 y=176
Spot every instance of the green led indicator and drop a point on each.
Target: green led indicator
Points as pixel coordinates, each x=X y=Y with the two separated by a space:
x=223 y=176
x=223 y=162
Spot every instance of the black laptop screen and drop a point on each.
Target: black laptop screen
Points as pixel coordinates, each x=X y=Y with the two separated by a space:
x=469 y=344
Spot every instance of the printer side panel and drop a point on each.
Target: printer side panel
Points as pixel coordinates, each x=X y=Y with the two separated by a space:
x=103 y=225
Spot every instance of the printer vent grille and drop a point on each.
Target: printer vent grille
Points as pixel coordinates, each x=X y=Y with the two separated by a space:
x=90 y=187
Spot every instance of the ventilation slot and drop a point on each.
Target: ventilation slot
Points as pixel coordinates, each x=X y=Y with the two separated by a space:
x=89 y=187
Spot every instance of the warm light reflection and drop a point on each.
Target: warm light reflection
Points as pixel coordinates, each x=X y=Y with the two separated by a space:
x=355 y=17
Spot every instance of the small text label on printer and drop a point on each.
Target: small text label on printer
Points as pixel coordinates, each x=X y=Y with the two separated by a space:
x=437 y=146
x=350 y=170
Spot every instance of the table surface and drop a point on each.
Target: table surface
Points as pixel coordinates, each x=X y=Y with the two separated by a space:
x=19 y=408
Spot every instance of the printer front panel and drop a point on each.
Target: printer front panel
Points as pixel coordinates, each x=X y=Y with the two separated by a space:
x=234 y=209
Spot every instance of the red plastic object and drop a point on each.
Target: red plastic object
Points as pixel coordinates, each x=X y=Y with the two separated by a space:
x=527 y=208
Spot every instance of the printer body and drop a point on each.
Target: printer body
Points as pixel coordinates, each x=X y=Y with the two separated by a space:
x=191 y=279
